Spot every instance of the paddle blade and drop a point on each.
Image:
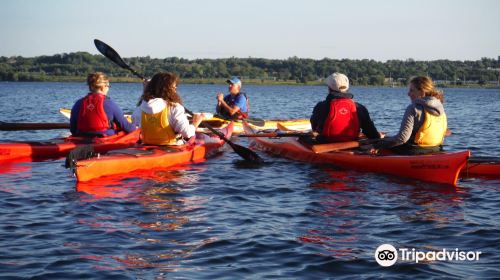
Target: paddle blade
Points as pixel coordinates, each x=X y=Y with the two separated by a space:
x=243 y=152
x=256 y=122
x=246 y=153
x=79 y=153
x=110 y=53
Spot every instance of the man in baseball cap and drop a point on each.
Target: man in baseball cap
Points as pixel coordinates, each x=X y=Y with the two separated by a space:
x=235 y=104
x=338 y=118
x=337 y=82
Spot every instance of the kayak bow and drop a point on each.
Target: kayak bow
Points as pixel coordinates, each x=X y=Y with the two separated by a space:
x=31 y=150
x=149 y=157
x=437 y=168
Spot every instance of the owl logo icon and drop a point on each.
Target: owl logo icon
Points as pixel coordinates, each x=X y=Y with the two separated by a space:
x=386 y=255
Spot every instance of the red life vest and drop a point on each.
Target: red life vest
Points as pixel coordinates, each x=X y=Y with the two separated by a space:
x=92 y=117
x=342 y=123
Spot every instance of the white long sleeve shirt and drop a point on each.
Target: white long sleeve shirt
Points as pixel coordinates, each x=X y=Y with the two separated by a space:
x=176 y=117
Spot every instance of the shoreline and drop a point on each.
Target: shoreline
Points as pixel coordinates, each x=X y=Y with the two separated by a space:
x=216 y=81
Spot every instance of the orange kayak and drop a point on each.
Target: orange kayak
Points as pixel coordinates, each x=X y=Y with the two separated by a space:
x=31 y=150
x=481 y=167
x=437 y=168
x=148 y=157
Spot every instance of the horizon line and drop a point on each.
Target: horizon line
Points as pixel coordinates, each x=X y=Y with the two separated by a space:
x=252 y=57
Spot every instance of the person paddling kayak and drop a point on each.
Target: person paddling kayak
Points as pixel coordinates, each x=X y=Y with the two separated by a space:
x=338 y=118
x=96 y=115
x=235 y=104
x=160 y=113
x=424 y=123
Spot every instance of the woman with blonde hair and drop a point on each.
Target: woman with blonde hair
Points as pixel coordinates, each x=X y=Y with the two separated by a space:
x=424 y=123
x=96 y=114
x=161 y=115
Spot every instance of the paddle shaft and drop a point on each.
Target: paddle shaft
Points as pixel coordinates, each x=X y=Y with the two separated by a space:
x=479 y=159
x=330 y=147
x=32 y=126
x=209 y=127
x=277 y=134
x=253 y=121
x=111 y=54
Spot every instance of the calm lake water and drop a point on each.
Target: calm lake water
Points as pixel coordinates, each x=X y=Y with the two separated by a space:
x=225 y=219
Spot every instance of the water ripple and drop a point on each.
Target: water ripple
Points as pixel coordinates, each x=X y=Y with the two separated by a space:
x=226 y=219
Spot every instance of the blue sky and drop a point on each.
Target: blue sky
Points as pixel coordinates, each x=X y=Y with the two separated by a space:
x=354 y=29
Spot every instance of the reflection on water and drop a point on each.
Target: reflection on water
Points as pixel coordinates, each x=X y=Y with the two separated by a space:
x=224 y=218
x=336 y=232
x=437 y=204
x=338 y=181
x=12 y=176
x=125 y=185
x=346 y=213
x=166 y=208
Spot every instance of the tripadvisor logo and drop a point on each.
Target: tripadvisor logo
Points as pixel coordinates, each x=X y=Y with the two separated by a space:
x=387 y=255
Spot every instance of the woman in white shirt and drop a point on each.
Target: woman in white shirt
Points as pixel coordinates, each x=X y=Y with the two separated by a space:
x=160 y=113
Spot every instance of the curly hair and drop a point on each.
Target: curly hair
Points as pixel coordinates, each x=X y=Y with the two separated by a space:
x=426 y=85
x=162 y=85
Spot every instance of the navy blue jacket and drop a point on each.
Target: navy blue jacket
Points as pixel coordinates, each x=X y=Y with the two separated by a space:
x=113 y=112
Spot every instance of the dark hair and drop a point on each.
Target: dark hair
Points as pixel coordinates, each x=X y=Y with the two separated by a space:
x=162 y=86
x=426 y=86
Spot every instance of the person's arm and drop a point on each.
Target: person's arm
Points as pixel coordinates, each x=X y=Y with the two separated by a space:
x=317 y=117
x=366 y=124
x=75 y=110
x=404 y=133
x=137 y=117
x=241 y=103
x=117 y=116
x=180 y=123
x=230 y=109
x=220 y=98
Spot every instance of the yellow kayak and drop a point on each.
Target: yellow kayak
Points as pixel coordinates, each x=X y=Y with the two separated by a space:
x=220 y=123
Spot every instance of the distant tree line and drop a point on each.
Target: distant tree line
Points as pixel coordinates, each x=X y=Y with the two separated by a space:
x=299 y=70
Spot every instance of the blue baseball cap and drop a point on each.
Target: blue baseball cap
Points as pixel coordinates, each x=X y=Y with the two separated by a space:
x=233 y=80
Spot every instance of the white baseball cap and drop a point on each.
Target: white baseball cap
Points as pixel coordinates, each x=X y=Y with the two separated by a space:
x=338 y=82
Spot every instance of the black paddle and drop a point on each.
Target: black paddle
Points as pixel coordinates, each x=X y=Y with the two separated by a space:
x=32 y=126
x=111 y=54
x=252 y=121
x=278 y=134
x=244 y=152
x=79 y=153
x=485 y=159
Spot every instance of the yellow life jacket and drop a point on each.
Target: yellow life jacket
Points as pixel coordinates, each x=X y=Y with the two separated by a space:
x=432 y=131
x=156 y=130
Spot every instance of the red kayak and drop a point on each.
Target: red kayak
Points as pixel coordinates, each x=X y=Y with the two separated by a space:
x=148 y=157
x=437 y=168
x=57 y=148
x=481 y=167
